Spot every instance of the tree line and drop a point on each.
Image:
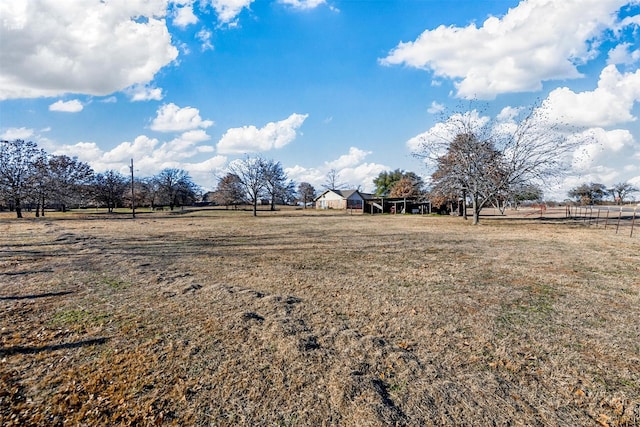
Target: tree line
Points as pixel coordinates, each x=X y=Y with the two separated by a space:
x=32 y=179
x=593 y=193
x=252 y=180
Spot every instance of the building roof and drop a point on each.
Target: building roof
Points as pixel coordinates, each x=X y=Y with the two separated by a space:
x=346 y=194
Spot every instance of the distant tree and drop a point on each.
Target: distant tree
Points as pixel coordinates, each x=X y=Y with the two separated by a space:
x=275 y=181
x=332 y=182
x=621 y=190
x=17 y=160
x=306 y=193
x=40 y=182
x=588 y=193
x=386 y=180
x=250 y=172
x=288 y=193
x=527 y=193
x=229 y=191
x=175 y=187
x=69 y=180
x=109 y=189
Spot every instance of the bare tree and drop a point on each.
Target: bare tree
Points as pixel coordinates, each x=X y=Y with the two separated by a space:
x=332 y=182
x=482 y=158
x=275 y=181
x=109 y=188
x=175 y=187
x=229 y=191
x=470 y=167
x=306 y=193
x=69 y=180
x=250 y=172
x=17 y=160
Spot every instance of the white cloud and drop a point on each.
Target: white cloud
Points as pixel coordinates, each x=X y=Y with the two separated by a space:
x=144 y=93
x=11 y=134
x=171 y=118
x=150 y=156
x=250 y=139
x=622 y=54
x=183 y=15
x=303 y=4
x=228 y=10
x=91 y=47
x=351 y=170
x=435 y=108
x=73 y=106
x=536 y=41
x=447 y=130
x=204 y=36
x=609 y=104
x=354 y=157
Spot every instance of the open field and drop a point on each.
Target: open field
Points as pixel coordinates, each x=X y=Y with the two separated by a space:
x=299 y=318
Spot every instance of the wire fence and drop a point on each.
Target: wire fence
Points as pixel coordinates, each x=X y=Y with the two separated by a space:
x=622 y=219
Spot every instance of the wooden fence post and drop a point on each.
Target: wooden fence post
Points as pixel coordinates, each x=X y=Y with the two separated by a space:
x=633 y=220
x=619 y=216
x=606 y=221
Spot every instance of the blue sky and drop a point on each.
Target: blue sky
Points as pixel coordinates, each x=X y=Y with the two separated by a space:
x=349 y=85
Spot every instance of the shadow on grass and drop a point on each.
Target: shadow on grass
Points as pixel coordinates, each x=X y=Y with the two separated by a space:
x=45 y=295
x=20 y=273
x=18 y=349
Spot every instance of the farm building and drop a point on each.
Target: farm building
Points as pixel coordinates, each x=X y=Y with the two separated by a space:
x=359 y=202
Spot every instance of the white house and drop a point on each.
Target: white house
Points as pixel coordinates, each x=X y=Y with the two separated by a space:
x=341 y=199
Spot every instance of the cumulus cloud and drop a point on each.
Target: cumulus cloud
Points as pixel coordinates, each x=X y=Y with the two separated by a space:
x=171 y=118
x=350 y=168
x=250 y=139
x=447 y=130
x=151 y=156
x=92 y=47
x=610 y=103
x=73 y=106
x=183 y=15
x=144 y=93
x=536 y=41
x=228 y=10
x=354 y=157
x=11 y=134
x=623 y=55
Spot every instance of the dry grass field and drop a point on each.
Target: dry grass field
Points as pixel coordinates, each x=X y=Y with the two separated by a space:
x=303 y=319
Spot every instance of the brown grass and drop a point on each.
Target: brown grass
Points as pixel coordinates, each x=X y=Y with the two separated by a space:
x=218 y=318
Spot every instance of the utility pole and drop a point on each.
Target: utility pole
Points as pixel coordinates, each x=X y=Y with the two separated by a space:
x=133 y=194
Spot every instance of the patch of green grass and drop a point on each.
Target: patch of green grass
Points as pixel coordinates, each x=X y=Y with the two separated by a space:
x=112 y=282
x=78 y=318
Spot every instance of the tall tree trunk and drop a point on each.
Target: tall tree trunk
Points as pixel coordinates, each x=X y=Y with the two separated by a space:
x=255 y=206
x=476 y=210
x=18 y=208
x=464 y=205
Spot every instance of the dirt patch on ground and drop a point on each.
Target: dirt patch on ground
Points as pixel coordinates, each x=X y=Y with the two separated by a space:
x=216 y=318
